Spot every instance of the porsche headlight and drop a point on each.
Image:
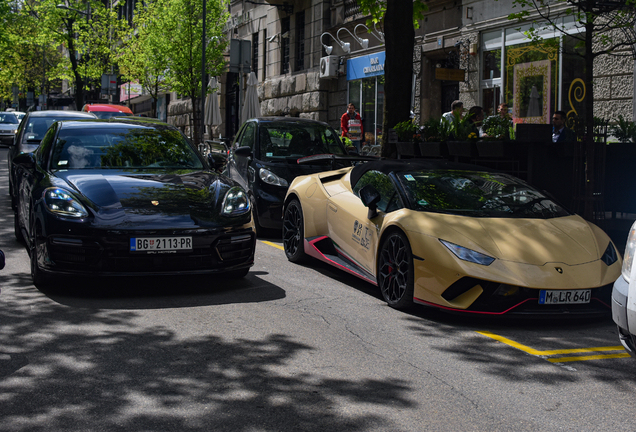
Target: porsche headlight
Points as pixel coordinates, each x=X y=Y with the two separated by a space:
x=64 y=203
x=628 y=258
x=236 y=202
x=610 y=256
x=270 y=178
x=466 y=254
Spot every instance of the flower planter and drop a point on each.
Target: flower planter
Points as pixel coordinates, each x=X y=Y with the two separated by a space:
x=433 y=149
x=407 y=149
x=462 y=149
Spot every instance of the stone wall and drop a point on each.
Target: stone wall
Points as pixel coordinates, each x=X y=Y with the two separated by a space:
x=302 y=95
x=614 y=87
x=179 y=113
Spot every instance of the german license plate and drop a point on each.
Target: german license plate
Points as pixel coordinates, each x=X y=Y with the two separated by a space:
x=152 y=244
x=565 y=296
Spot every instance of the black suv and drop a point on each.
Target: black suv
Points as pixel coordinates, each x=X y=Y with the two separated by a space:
x=264 y=160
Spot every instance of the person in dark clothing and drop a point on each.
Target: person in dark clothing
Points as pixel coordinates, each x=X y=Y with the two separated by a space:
x=475 y=118
x=560 y=133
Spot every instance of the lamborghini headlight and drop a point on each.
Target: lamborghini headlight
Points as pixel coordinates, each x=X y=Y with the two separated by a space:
x=630 y=249
x=270 y=178
x=236 y=202
x=64 y=203
x=466 y=254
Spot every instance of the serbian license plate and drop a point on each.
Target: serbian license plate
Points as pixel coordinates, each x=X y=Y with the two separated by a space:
x=565 y=296
x=157 y=244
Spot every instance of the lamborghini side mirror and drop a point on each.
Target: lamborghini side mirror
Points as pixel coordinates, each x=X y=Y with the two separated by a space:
x=370 y=198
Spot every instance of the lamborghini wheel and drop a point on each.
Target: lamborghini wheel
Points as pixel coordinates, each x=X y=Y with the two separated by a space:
x=395 y=271
x=293 y=232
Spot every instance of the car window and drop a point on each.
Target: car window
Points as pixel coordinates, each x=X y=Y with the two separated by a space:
x=389 y=200
x=124 y=147
x=8 y=118
x=247 y=139
x=280 y=140
x=40 y=153
x=36 y=127
x=476 y=194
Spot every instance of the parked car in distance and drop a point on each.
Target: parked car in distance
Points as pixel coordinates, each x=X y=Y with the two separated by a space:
x=264 y=155
x=128 y=198
x=8 y=127
x=105 y=111
x=452 y=236
x=18 y=114
x=31 y=131
x=624 y=297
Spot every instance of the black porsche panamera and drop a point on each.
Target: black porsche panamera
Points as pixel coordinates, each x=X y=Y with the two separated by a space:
x=124 y=197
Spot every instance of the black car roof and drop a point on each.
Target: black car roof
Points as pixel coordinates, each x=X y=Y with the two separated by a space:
x=287 y=120
x=57 y=113
x=115 y=122
x=388 y=166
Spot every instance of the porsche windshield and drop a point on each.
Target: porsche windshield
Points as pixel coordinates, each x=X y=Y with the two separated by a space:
x=122 y=147
x=477 y=194
x=279 y=141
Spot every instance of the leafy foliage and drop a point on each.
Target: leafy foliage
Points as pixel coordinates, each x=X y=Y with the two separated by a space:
x=496 y=126
x=624 y=130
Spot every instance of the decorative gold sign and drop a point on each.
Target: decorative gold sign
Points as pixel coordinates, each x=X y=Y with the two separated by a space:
x=450 y=74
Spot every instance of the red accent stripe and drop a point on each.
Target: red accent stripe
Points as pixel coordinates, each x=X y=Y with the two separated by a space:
x=312 y=250
x=467 y=311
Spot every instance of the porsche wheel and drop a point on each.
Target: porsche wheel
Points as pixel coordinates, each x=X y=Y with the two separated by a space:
x=293 y=232
x=395 y=271
x=39 y=279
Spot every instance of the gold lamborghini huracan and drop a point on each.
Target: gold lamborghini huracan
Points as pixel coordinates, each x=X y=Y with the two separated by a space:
x=452 y=236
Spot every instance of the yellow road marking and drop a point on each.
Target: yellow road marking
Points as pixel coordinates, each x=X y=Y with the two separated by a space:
x=535 y=352
x=582 y=358
x=273 y=244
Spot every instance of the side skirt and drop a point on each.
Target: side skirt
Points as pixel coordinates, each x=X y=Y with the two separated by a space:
x=322 y=248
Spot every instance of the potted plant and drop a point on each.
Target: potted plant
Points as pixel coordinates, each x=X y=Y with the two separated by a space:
x=624 y=130
x=458 y=143
x=433 y=138
x=408 y=137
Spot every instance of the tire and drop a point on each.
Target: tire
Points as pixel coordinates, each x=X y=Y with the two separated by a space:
x=293 y=232
x=395 y=271
x=238 y=274
x=39 y=279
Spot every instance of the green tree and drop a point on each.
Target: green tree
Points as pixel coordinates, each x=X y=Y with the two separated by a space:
x=87 y=30
x=608 y=28
x=398 y=68
x=173 y=36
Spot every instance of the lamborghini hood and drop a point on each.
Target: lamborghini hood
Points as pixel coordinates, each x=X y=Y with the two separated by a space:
x=569 y=240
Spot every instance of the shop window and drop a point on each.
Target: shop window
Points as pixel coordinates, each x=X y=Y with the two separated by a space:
x=284 y=45
x=300 y=41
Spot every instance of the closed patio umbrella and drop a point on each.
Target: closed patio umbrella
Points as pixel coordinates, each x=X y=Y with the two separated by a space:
x=212 y=109
x=252 y=107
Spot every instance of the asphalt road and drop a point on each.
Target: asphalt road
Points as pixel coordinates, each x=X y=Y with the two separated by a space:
x=288 y=348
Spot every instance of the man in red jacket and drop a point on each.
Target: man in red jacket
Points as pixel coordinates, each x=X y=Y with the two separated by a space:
x=351 y=126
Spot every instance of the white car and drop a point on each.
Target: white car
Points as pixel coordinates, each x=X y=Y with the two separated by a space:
x=624 y=297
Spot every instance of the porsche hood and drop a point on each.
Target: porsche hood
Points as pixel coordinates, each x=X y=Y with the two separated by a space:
x=127 y=198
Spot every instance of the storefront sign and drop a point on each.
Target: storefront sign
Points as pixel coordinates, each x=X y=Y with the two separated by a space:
x=130 y=90
x=450 y=74
x=365 y=66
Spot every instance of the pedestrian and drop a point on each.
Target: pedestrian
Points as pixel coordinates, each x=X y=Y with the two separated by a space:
x=475 y=118
x=560 y=133
x=457 y=108
x=351 y=126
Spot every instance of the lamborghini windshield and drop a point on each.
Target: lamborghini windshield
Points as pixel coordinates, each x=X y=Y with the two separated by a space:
x=477 y=194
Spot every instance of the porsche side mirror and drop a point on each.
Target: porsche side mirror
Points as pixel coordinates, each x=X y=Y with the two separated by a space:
x=216 y=161
x=25 y=160
x=244 y=151
x=370 y=198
